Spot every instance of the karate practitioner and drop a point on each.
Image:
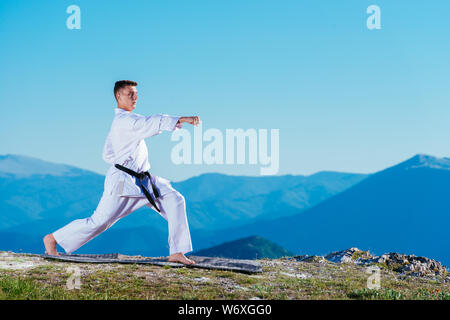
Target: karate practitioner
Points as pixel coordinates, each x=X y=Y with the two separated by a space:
x=126 y=191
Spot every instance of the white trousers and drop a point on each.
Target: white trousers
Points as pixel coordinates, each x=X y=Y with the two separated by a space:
x=111 y=208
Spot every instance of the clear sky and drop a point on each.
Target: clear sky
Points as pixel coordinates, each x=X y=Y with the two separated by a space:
x=344 y=97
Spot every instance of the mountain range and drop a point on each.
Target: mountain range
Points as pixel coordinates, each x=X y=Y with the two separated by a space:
x=213 y=200
x=403 y=208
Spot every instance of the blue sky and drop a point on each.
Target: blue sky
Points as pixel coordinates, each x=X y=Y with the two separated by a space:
x=344 y=98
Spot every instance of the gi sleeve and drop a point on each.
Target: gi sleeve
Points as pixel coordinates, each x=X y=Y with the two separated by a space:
x=108 y=154
x=147 y=126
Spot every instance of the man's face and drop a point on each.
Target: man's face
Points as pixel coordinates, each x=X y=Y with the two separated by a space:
x=127 y=97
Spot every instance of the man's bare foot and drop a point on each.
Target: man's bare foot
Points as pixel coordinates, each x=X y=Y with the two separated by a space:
x=179 y=257
x=50 y=245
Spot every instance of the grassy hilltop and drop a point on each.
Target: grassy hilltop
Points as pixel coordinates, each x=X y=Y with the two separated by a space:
x=30 y=277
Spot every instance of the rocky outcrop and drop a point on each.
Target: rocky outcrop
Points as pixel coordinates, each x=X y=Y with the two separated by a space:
x=402 y=263
x=411 y=264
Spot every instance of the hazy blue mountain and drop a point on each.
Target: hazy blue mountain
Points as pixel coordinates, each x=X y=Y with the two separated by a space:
x=251 y=198
x=253 y=247
x=37 y=197
x=241 y=187
x=404 y=208
x=19 y=166
x=32 y=189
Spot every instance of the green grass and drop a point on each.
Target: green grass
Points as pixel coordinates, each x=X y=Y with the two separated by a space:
x=391 y=294
x=277 y=281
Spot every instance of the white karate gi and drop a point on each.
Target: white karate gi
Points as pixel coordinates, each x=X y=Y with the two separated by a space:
x=125 y=145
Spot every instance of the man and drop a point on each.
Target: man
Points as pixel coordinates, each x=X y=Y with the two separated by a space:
x=128 y=185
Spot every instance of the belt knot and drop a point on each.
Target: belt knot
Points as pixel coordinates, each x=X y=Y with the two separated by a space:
x=141 y=175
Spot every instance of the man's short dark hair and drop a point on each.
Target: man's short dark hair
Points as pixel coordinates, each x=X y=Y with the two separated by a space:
x=123 y=83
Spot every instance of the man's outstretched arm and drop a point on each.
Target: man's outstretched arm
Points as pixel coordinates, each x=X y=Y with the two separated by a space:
x=145 y=127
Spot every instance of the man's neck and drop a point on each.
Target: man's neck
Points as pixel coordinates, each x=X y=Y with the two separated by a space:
x=124 y=108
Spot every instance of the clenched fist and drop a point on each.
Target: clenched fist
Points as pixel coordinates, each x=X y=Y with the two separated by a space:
x=195 y=120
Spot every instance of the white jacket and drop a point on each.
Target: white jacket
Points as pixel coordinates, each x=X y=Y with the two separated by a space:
x=125 y=145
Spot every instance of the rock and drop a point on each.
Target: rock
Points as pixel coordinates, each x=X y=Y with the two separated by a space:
x=401 y=263
x=12 y=261
x=295 y=275
x=202 y=279
x=307 y=258
x=411 y=264
x=351 y=255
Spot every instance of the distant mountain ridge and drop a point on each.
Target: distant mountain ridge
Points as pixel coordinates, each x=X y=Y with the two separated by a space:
x=213 y=200
x=423 y=160
x=404 y=208
x=37 y=197
x=401 y=208
x=21 y=166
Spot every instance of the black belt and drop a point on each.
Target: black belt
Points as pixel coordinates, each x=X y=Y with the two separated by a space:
x=141 y=176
